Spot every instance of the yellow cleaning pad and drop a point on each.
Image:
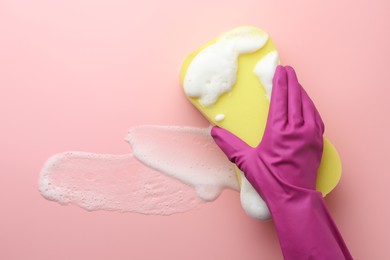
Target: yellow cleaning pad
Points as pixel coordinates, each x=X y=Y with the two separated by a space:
x=243 y=110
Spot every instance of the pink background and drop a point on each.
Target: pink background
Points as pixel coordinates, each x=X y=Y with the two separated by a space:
x=75 y=75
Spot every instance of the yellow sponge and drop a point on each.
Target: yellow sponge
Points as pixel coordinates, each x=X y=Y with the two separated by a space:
x=245 y=110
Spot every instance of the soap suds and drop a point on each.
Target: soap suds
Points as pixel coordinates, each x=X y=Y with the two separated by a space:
x=213 y=71
x=219 y=117
x=179 y=169
x=173 y=169
x=265 y=71
x=252 y=203
x=115 y=183
x=187 y=154
x=191 y=155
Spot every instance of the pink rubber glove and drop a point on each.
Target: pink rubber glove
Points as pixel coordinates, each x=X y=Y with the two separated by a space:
x=283 y=169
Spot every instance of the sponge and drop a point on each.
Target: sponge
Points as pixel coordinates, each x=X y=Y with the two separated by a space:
x=229 y=80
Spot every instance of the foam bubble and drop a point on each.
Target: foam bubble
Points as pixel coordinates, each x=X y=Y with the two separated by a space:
x=219 y=117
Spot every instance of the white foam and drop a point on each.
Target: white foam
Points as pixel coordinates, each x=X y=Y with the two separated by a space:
x=173 y=170
x=191 y=155
x=113 y=182
x=213 y=71
x=187 y=154
x=219 y=117
x=252 y=203
x=265 y=71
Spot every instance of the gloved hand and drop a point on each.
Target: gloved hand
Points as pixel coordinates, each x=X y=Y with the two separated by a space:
x=283 y=169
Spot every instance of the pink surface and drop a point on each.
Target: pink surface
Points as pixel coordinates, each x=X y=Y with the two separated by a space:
x=75 y=75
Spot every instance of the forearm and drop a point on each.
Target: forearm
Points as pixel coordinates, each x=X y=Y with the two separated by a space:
x=305 y=228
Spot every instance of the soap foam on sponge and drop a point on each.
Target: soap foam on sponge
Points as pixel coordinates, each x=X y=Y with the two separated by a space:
x=213 y=71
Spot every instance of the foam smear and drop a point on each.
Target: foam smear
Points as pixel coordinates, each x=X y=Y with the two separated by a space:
x=191 y=155
x=113 y=182
x=185 y=153
x=185 y=169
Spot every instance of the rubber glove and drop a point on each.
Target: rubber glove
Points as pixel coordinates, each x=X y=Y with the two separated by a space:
x=283 y=169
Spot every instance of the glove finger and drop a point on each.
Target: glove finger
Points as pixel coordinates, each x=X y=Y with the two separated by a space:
x=295 y=116
x=310 y=112
x=231 y=145
x=278 y=106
